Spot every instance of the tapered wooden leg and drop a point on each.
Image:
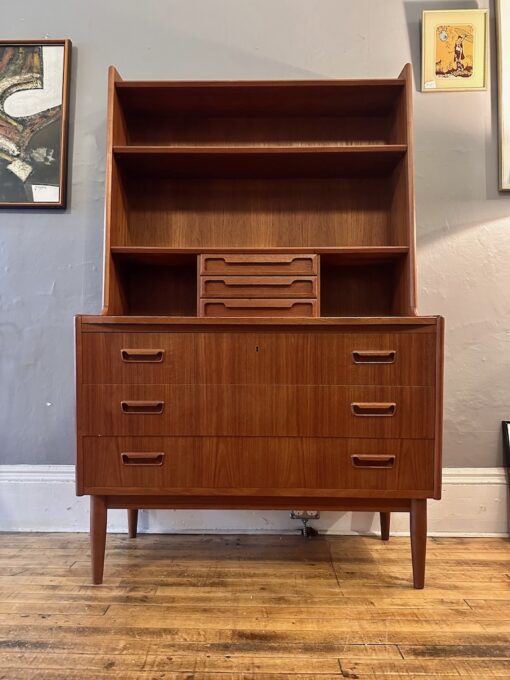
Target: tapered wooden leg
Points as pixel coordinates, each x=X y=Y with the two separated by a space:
x=419 y=540
x=132 y=522
x=385 y=525
x=98 y=517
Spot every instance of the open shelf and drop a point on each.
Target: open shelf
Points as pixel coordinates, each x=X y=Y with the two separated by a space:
x=320 y=167
x=259 y=162
x=159 y=287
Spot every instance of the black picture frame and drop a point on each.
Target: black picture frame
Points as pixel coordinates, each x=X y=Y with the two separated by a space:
x=506 y=442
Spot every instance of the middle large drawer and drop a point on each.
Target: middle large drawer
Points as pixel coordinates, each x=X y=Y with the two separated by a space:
x=258 y=410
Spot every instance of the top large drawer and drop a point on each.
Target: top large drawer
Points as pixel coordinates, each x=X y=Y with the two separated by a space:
x=259 y=357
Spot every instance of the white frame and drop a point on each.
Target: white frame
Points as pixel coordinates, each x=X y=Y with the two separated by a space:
x=503 y=42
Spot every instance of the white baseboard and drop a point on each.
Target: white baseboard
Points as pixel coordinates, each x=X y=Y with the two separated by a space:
x=42 y=498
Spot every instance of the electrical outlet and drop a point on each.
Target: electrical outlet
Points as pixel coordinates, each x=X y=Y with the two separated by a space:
x=305 y=514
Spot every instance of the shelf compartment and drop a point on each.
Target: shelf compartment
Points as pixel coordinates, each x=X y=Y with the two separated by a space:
x=161 y=287
x=259 y=162
x=360 y=289
x=253 y=98
x=206 y=214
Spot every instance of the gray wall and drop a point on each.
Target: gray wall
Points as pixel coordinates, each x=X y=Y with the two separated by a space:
x=51 y=262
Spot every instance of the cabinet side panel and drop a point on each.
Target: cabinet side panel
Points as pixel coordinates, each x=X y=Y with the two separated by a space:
x=438 y=452
x=115 y=203
x=78 y=383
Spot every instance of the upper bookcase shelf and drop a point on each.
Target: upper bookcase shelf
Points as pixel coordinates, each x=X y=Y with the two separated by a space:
x=259 y=162
x=255 y=113
x=258 y=98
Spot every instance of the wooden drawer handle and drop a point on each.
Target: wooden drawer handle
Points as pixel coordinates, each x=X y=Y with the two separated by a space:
x=374 y=357
x=142 y=356
x=258 y=284
x=273 y=305
x=373 y=409
x=142 y=407
x=367 y=461
x=251 y=262
x=142 y=458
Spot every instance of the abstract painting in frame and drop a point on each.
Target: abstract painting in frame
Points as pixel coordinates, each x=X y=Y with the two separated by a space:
x=34 y=105
x=503 y=36
x=454 y=50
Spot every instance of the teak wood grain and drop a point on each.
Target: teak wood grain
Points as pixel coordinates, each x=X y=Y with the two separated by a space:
x=259 y=345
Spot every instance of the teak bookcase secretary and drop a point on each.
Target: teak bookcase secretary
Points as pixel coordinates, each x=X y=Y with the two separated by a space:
x=259 y=345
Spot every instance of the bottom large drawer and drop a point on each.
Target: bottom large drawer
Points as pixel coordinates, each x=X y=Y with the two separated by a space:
x=251 y=465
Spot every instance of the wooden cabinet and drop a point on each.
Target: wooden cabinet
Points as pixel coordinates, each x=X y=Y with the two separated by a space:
x=259 y=345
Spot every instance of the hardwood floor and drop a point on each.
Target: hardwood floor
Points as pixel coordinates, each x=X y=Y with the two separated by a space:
x=252 y=608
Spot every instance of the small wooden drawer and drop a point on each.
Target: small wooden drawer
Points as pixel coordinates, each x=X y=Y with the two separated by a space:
x=259 y=265
x=110 y=358
x=267 y=466
x=258 y=308
x=258 y=287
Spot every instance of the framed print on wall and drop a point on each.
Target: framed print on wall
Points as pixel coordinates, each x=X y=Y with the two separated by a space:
x=454 y=50
x=503 y=37
x=506 y=442
x=34 y=107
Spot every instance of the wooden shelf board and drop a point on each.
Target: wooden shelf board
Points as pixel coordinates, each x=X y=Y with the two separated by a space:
x=206 y=84
x=246 y=150
x=362 y=251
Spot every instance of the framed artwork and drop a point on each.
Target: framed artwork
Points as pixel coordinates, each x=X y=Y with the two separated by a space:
x=454 y=50
x=506 y=442
x=503 y=35
x=34 y=108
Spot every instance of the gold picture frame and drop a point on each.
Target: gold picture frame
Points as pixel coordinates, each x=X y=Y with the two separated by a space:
x=503 y=45
x=455 y=50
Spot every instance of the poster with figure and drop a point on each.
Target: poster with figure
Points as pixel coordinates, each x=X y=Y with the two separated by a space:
x=454 y=50
x=34 y=79
x=503 y=37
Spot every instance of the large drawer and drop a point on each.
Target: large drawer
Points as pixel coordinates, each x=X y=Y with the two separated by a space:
x=285 y=358
x=258 y=264
x=258 y=410
x=138 y=358
x=255 y=465
x=259 y=308
x=258 y=286
x=295 y=358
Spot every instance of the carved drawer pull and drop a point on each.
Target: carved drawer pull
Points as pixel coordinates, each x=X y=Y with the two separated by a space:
x=142 y=356
x=373 y=409
x=368 y=461
x=256 y=261
x=142 y=458
x=142 y=407
x=374 y=357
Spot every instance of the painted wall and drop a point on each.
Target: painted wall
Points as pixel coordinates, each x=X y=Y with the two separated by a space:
x=51 y=262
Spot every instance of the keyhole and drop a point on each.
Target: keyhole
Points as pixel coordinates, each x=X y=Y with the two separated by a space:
x=257 y=349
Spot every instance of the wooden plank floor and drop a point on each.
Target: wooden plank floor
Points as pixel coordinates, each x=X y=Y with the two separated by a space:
x=252 y=608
